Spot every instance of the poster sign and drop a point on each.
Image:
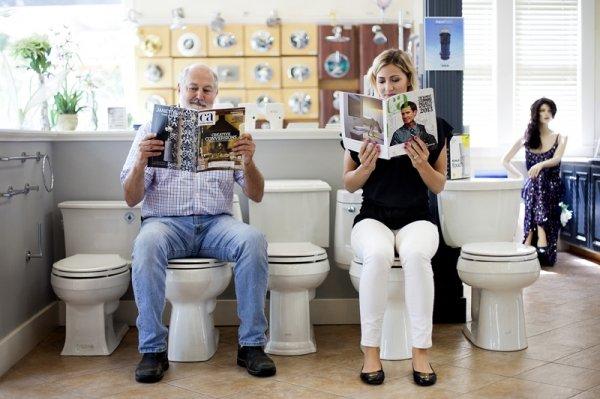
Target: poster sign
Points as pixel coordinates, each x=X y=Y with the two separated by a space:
x=444 y=44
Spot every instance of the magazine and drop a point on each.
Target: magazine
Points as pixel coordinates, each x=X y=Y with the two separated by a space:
x=390 y=122
x=197 y=140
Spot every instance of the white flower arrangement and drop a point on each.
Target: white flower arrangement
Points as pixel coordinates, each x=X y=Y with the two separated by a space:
x=565 y=213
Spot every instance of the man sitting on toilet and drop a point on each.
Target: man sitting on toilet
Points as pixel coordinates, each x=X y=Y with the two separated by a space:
x=189 y=215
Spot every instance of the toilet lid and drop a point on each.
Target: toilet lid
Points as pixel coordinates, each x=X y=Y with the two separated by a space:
x=395 y=264
x=90 y=265
x=195 y=263
x=498 y=252
x=295 y=252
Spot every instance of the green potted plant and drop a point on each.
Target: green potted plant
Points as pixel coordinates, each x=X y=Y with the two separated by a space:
x=66 y=106
x=35 y=51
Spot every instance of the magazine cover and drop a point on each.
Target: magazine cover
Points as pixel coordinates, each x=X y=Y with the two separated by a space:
x=390 y=122
x=197 y=140
x=217 y=138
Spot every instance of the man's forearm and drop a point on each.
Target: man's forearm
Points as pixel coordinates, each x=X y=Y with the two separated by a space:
x=134 y=186
x=255 y=183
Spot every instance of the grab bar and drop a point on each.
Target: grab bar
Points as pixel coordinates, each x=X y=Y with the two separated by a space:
x=24 y=156
x=10 y=192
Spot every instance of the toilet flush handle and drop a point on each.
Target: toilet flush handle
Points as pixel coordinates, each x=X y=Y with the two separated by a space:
x=351 y=209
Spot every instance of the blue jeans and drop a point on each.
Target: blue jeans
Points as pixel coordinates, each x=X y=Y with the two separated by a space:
x=208 y=236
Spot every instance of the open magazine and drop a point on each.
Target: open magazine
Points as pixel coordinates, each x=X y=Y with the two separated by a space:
x=197 y=140
x=390 y=122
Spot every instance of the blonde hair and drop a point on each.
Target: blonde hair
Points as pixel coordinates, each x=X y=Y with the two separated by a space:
x=398 y=58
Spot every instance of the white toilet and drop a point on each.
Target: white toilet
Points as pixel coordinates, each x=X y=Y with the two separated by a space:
x=395 y=334
x=95 y=274
x=294 y=216
x=99 y=238
x=480 y=216
x=192 y=287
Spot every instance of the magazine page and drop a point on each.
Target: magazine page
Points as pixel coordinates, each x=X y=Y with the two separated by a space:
x=219 y=131
x=410 y=114
x=362 y=117
x=177 y=127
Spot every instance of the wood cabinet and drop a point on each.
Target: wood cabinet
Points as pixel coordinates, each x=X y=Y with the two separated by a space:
x=338 y=55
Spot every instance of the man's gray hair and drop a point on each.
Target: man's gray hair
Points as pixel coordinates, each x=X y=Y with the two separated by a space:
x=183 y=77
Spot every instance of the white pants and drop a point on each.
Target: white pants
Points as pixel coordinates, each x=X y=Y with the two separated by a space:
x=416 y=243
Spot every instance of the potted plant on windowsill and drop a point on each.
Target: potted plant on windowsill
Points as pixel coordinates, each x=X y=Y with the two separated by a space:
x=66 y=106
x=35 y=52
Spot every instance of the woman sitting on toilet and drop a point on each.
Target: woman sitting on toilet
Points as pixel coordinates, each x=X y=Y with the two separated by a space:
x=395 y=217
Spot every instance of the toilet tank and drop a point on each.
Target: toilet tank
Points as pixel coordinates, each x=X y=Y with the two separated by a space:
x=347 y=207
x=479 y=210
x=293 y=211
x=99 y=227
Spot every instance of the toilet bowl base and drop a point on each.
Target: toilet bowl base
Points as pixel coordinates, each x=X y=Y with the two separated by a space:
x=291 y=348
x=290 y=330
x=91 y=332
x=395 y=332
x=192 y=335
x=500 y=322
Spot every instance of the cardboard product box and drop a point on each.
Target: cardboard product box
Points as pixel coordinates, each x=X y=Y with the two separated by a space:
x=459 y=160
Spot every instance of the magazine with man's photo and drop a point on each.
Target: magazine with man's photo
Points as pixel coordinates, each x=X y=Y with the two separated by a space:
x=196 y=140
x=389 y=122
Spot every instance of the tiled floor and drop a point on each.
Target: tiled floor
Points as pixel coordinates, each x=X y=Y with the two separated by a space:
x=562 y=361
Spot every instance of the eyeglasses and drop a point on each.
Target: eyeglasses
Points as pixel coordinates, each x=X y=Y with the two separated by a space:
x=195 y=89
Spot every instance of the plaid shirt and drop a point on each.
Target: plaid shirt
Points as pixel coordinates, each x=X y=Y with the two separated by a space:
x=170 y=192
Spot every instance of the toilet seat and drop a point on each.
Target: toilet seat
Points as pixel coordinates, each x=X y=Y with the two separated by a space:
x=295 y=252
x=498 y=252
x=498 y=258
x=395 y=265
x=194 y=263
x=296 y=259
x=90 y=266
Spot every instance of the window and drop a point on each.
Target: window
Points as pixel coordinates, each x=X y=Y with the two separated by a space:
x=479 y=90
x=518 y=51
x=102 y=44
x=546 y=59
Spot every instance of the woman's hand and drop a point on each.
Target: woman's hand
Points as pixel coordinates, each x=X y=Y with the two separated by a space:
x=535 y=170
x=368 y=154
x=417 y=152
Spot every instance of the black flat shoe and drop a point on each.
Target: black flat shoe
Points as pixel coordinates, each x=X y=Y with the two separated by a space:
x=152 y=367
x=256 y=361
x=542 y=253
x=373 y=377
x=424 y=379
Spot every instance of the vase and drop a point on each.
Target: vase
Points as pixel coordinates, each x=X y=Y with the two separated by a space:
x=66 y=122
x=45 y=121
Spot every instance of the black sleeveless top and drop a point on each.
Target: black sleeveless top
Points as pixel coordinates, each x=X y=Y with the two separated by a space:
x=394 y=193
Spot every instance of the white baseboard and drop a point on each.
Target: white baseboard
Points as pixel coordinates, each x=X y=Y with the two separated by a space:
x=322 y=311
x=25 y=337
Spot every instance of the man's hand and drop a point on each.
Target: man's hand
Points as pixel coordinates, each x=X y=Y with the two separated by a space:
x=245 y=146
x=368 y=154
x=148 y=147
